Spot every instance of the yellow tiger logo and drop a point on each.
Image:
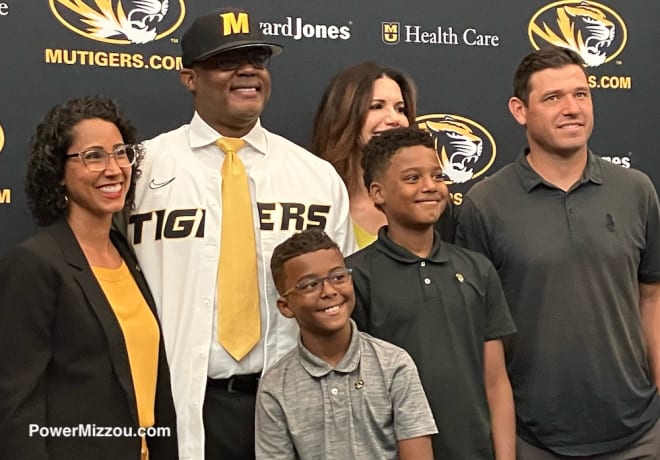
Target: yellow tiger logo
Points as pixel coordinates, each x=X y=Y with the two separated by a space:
x=459 y=148
x=581 y=26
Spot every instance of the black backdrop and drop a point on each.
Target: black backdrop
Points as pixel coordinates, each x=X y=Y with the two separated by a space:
x=461 y=55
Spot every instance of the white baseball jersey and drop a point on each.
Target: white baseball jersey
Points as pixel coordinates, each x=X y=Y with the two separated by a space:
x=175 y=231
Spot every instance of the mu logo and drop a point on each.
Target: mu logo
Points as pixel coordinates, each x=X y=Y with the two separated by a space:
x=466 y=149
x=120 y=21
x=591 y=29
x=390 y=32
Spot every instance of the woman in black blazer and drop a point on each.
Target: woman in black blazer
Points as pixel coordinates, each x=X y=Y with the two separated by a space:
x=83 y=371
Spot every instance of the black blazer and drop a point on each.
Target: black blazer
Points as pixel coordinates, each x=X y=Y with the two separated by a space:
x=63 y=359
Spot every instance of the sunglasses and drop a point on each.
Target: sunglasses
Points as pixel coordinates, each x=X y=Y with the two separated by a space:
x=258 y=58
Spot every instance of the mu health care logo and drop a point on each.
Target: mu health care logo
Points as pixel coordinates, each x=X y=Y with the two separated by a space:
x=466 y=149
x=390 y=32
x=591 y=29
x=120 y=21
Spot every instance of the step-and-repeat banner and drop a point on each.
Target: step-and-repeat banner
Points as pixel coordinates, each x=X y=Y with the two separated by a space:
x=462 y=56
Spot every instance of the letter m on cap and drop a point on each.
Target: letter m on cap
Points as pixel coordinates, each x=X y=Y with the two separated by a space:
x=235 y=24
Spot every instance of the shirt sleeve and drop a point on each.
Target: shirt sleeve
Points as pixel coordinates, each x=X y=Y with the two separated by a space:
x=649 y=267
x=343 y=233
x=411 y=411
x=470 y=229
x=272 y=438
x=499 y=322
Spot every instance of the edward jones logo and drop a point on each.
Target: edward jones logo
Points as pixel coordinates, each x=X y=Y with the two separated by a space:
x=120 y=22
x=466 y=149
x=592 y=29
x=297 y=28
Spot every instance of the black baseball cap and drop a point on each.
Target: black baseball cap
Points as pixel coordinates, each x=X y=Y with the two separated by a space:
x=222 y=30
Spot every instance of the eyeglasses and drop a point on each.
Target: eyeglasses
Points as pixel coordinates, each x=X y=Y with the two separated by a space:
x=311 y=286
x=232 y=60
x=96 y=160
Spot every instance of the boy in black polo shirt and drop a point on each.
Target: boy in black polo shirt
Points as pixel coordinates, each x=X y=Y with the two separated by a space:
x=441 y=303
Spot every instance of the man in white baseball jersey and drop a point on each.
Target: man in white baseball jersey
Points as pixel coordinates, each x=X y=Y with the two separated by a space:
x=193 y=180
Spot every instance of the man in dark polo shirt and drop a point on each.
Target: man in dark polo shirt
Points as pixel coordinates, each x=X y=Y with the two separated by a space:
x=441 y=303
x=576 y=242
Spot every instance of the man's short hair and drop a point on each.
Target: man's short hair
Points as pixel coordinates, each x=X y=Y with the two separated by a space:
x=551 y=57
x=377 y=153
x=309 y=240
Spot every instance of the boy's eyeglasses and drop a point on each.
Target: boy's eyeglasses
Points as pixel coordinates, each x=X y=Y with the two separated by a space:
x=96 y=160
x=310 y=286
x=258 y=58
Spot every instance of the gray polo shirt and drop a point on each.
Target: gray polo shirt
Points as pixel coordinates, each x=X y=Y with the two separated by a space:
x=570 y=264
x=307 y=409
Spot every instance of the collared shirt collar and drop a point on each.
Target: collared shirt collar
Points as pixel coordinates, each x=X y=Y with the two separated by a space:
x=202 y=135
x=316 y=367
x=530 y=179
x=438 y=252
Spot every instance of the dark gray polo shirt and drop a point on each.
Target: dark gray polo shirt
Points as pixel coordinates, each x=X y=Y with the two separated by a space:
x=570 y=263
x=440 y=309
x=358 y=410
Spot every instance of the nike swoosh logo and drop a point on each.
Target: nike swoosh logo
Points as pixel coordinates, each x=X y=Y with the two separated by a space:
x=154 y=185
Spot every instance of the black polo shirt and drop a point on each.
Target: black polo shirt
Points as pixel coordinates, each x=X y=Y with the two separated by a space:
x=570 y=263
x=441 y=309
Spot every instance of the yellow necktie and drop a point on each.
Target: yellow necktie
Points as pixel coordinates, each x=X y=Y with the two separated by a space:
x=239 y=327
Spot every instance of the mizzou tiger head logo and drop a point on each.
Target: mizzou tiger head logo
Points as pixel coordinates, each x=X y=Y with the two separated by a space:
x=465 y=148
x=136 y=21
x=2 y=138
x=591 y=29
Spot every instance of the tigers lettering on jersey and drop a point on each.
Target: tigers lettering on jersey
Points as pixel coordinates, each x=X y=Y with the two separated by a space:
x=302 y=216
x=183 y=223
x=179 y=223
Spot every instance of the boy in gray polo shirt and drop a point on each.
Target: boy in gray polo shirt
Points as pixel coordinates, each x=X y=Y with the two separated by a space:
x=341 y=394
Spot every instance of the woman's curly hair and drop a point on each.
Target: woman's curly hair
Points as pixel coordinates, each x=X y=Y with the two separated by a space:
x=48 y=147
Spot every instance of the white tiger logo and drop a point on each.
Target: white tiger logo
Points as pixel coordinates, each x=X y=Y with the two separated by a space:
x=459 y=148
x=105 y=22
x=583 y=28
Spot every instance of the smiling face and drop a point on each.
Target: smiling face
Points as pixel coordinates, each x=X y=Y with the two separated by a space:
x=387 y=109
x=411 y=191
x=95 y=194
x=559 y=114
x=230 y=101
x=323 y=313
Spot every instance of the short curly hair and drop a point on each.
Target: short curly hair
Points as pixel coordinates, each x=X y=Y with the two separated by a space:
x=380 y=149
x=309 y=240
x=48 y=146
